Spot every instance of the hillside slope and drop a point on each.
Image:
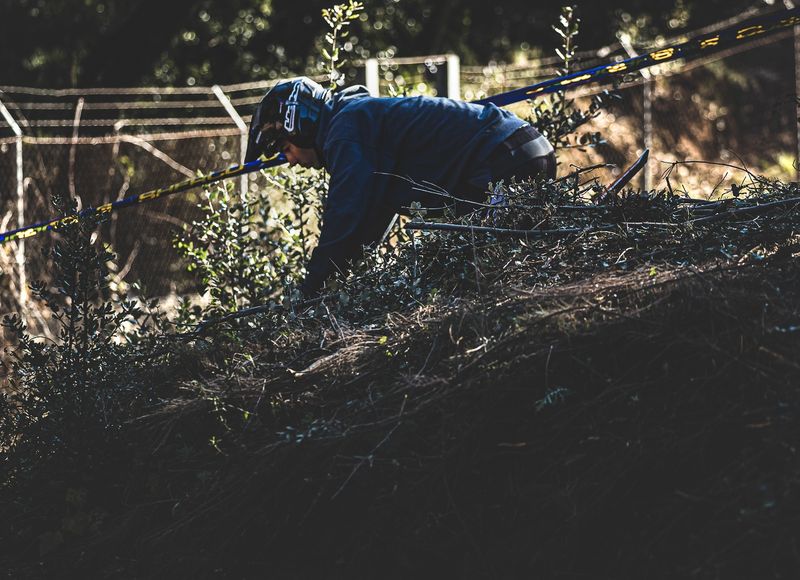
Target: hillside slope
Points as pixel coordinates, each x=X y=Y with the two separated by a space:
x=606 y=406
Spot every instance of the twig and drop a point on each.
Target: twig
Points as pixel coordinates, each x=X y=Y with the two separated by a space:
x=579 y=170
x=433 y=189
x=364 y=459
x=204 y=326
x=754 y=177
x=754 y=210
x=430 y=226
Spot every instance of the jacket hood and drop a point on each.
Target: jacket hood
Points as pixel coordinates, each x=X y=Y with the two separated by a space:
x=336 y=103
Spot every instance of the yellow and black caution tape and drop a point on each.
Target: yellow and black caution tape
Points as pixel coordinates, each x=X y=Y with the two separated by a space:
x=757 y=27
x=235 y=171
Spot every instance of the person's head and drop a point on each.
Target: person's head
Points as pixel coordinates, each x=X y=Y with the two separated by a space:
x=276 y=141
x=287 y=121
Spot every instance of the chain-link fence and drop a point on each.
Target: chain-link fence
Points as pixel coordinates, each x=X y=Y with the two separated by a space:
x=103 y=145
x=735 y=108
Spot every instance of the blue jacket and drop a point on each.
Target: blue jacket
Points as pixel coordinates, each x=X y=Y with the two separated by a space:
x=362 y=138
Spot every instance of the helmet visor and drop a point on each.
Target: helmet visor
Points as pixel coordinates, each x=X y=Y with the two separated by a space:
x=264 y=141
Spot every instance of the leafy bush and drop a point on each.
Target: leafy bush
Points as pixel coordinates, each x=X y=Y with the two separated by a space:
x=75 y=391
x=557 y=118
x=248 y=251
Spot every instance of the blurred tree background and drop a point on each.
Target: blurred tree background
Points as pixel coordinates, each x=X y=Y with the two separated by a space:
x=85 y=43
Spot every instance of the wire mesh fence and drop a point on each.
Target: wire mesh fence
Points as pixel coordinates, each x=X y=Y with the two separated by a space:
x=736 y=108
x=99 y=146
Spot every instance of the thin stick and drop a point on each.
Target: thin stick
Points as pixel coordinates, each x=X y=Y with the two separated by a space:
x=754 y=210
x=429 y=226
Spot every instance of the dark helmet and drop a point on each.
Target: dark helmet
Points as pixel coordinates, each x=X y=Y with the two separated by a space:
x=296 y=105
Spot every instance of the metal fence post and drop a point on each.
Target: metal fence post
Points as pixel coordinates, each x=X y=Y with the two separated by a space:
x=647 y=119
x=20 y=256
x=647 y=108
x=76 y=123
x=453 y=76
x=372 y=76
x=241 y=125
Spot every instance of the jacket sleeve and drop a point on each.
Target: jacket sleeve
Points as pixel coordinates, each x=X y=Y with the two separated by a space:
x=354 y=215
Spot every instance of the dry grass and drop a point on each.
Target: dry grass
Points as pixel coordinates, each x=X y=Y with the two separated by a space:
x=634 y=420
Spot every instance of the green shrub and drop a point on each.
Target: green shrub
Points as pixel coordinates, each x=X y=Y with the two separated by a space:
x=249 y=251
x=78 y=389
x=557 y=118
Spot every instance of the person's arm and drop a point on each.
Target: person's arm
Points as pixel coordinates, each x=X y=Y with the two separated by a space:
x=353 y=210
